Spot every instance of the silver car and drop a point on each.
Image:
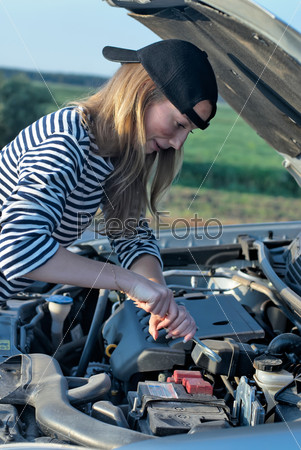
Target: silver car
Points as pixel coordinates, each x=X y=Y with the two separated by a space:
x=238 y=383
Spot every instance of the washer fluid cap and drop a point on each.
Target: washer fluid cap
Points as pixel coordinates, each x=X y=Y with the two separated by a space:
x=61 y=299
x=267 y=363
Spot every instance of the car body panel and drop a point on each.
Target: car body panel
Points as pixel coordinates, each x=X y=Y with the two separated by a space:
x=255 y=56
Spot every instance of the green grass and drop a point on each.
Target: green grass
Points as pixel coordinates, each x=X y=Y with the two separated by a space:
x=229 y=155
x=231 y=141
x=228 y=207
x=60 y=94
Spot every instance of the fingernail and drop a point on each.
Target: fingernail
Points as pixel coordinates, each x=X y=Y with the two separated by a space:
x=167 y=336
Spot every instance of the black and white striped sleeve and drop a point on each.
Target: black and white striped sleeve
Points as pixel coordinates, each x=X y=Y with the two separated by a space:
x=141 y=241
x=47 y=175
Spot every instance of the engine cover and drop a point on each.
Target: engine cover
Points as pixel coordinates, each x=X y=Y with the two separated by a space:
x=136 y=351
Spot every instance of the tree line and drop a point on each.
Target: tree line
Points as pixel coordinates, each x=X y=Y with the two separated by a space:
x=23 y=101
x=65 y=78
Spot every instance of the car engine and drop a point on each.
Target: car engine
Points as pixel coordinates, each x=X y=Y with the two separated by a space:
x=79 y=366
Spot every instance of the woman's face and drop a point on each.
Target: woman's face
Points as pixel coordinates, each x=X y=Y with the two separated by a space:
x=166 y=127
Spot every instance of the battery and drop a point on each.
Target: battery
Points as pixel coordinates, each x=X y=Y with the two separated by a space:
x=163 y=409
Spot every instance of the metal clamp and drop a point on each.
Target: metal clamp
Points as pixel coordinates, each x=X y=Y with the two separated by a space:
x=207 y=351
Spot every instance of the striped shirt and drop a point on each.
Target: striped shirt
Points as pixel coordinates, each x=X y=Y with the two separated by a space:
x=51 y=185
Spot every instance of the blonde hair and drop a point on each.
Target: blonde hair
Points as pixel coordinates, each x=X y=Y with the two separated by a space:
x=116 y=117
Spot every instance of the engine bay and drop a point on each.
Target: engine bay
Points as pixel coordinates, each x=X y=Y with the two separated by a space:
x=79 y=366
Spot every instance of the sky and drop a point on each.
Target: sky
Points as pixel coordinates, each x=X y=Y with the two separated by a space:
x=68 y=35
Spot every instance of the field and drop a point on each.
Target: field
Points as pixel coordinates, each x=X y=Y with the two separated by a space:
x=229 y=207
x=229 y=172
x=60 y=94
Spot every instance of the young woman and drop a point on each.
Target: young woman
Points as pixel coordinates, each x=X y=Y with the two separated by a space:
x=103 y=153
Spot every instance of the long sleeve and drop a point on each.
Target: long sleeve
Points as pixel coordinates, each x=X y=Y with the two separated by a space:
x=47 y=175
x=52 y=182
x=142 y=241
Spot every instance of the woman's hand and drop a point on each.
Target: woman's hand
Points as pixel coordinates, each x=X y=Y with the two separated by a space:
x=181 y=325
x=153 y=297
x=157 y=299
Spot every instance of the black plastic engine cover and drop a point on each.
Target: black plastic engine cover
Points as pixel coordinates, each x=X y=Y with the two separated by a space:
x=216 y=317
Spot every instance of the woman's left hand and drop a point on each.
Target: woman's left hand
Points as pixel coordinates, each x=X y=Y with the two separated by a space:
x=181 y=325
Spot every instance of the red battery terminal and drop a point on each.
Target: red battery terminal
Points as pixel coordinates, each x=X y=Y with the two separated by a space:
x=192 y=380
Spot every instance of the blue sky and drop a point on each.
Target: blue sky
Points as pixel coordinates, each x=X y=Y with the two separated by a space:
x=68 y=35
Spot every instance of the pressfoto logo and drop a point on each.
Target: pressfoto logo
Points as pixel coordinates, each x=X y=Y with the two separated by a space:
x=180 y=228
x=145 y=228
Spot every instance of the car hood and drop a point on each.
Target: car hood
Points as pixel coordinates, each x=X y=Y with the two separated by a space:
x=256 y=58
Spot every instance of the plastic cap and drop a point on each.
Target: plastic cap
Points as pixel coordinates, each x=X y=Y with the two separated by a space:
x=268 y=363
x=61 y=299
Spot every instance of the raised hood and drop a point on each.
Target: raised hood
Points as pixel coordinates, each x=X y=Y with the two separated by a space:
x=256 y=58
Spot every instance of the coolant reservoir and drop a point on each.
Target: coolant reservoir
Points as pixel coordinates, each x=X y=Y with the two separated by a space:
x=270 y=377
x=59 y=307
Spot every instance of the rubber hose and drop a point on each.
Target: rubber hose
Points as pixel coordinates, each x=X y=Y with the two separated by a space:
x=285 y=343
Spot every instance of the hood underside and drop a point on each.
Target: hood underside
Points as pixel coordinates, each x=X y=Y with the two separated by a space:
x=256 y=59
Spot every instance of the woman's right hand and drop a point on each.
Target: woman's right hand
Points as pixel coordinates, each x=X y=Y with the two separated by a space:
x=182 y=325
x=158 y=300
